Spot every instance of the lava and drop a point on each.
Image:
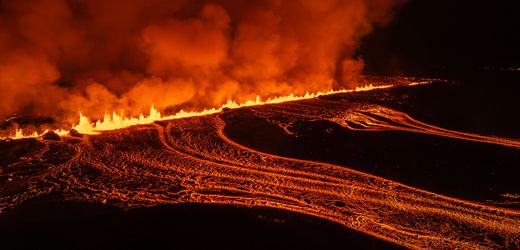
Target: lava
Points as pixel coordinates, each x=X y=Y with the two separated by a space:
x=370 y=120
x=118 y=121
x=192 y=160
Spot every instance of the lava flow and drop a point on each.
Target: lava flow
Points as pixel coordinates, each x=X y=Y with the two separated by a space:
x=117 y=121
x=193 y=160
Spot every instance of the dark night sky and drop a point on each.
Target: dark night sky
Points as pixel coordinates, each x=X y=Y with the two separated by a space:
x=432 y=35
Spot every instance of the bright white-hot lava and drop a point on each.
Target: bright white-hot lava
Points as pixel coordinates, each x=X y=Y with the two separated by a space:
x=117 y=121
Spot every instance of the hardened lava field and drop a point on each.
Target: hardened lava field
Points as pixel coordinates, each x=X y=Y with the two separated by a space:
x=358 y=159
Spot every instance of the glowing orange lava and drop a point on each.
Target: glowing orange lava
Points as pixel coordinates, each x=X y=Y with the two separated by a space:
x=117 y=121
x=193 y=161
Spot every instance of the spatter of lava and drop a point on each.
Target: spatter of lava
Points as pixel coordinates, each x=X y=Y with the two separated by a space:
x=192 y=160
x=118 y=121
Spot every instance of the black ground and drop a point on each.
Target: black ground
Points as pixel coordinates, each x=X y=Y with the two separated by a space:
x=51 y=223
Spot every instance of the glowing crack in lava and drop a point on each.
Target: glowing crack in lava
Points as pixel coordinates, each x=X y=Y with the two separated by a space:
x=192 y=160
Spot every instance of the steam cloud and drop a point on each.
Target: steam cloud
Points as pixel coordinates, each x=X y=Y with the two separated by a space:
x=59 y=57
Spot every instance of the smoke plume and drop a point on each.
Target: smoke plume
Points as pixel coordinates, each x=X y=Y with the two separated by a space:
x=61 y=57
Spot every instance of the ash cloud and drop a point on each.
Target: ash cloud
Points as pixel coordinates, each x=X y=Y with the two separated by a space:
x=60 y=57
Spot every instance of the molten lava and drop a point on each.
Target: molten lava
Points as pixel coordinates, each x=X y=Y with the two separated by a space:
x=117 y=121
x=193 y=161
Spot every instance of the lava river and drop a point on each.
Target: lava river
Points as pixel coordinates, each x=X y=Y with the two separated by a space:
x=193 y=160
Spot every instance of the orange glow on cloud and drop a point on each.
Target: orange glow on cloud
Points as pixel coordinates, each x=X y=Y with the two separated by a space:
x=64 y=57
